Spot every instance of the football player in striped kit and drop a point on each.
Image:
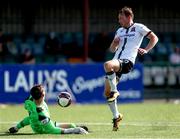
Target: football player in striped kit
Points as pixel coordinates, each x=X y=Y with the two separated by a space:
x=126 y=46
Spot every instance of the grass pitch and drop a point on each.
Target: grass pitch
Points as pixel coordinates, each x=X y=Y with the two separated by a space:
x=141 y=120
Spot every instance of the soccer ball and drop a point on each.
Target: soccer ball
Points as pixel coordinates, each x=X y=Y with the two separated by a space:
x=64 y=99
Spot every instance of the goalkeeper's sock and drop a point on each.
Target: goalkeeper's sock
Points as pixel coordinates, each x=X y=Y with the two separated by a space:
x=69 y=131
x=114 y=108
x=72 y=125
x=77 y=130
x=111 y=76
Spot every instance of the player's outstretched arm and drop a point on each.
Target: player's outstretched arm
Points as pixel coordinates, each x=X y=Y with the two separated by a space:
x=20 y=125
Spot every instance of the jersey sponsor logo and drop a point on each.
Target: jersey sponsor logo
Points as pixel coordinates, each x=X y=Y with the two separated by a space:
x=128 y=35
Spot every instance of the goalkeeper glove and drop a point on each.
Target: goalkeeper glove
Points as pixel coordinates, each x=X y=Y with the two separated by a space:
x=13 y=129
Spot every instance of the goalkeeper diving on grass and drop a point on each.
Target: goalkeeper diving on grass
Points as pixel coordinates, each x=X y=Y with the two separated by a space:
x=39 y=117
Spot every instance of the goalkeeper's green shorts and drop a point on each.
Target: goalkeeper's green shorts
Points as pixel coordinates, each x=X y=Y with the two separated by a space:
x=46 y=128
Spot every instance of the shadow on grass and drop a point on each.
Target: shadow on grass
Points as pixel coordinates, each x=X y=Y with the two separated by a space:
x=16 y=134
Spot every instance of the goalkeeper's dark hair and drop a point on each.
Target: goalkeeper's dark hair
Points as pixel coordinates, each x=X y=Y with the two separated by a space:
x=36 y=91
x=127 y=11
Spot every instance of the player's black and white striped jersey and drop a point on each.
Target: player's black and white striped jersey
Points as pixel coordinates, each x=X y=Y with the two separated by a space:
x=130 y=40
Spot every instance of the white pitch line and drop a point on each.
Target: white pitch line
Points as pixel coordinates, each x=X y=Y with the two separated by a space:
x=89 y=138
x=173 y=124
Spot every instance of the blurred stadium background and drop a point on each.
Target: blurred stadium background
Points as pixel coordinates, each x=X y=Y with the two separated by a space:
x=63 y=44
x=65 y=32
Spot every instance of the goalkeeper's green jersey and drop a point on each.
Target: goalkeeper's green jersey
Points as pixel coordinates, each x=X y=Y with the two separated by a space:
x=38 y=115
x=39 y=118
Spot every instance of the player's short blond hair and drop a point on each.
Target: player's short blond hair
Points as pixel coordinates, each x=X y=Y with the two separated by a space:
x=127 y=11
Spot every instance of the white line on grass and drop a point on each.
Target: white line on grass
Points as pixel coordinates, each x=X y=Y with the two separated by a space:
x=60 y=137
x=173 y=124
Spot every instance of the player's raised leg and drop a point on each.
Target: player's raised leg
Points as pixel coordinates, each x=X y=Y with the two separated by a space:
x=110 y=68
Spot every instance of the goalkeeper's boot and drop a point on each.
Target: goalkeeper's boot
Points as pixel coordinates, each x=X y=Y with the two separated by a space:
x=116 y=122
x=13 y=129
x=84 y=127
x=113 y=95
x=81 y=130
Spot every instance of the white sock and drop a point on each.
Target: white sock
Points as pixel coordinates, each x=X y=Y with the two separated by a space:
x=112 y=81
x=114 y=108
x=71 y=131
x=76 y=130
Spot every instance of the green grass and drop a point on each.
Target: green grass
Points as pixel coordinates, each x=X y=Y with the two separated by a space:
x=142 y=120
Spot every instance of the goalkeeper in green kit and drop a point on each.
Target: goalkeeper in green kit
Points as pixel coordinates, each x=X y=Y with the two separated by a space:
x=39 y=117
